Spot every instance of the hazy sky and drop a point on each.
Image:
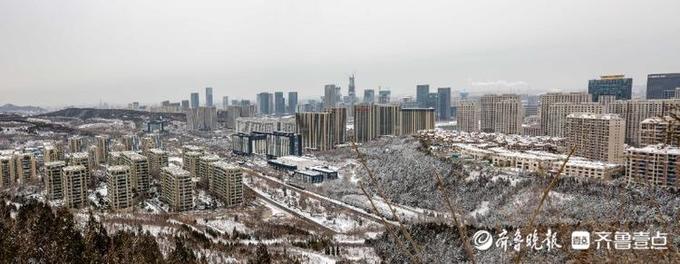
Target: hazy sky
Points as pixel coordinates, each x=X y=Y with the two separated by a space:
x=79 y=52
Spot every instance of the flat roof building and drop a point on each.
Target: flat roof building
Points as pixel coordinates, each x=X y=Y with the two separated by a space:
x=176 y=189
x=157 y=159
x=53 y=179
x=139 y=170
x=654 y=165
x=74 y=184
x=616 y=85
x=119 y=187
x=226 y=182
x=596 y=136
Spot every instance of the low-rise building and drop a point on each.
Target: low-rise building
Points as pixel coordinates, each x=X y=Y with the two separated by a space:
x=308 y=176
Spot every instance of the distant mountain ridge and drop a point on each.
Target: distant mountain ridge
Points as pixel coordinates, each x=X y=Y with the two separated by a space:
x=87 y=113
x=10 y=108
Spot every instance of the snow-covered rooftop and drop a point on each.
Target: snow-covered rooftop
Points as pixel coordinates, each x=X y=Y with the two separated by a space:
x=53 y=163
x=593 y=116
x=225 y=165
x=79 y=155
x=210 y=157
x=158 y=151
x=657 y=149
x=594 y=164
x=117 y=168
x=74 y=168
x=133 y=155
x=177 y=171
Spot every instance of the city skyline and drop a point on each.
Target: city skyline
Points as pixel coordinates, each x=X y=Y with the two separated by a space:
x=117 y=55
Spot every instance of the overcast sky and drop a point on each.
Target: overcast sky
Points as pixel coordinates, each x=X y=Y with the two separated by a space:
x=80 y=52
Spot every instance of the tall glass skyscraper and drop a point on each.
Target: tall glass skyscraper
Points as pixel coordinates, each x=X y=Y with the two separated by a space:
x=194 y=100
x=444 y=103
x=369 y=96
x=292 y=102
x=662 y=85
x=616 y=85
x=422 y=94
x=279 y=103
x=208 y=96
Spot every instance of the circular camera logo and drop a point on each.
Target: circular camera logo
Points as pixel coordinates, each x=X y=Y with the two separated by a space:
x=482 y=240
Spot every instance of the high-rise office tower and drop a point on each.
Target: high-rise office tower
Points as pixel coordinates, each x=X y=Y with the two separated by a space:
x=422 y=95
x=330 y=96
x=662 y=85
x=226 y=182
x=416 y=119
x=369 y=96
x=176 y=189
x=139 y=170
x=488 y=109
x=194 y=100
x=279 y=103
x=596 y=136
x=468 y=116
x=444 y=103
x=384 y=96
x=53 y=179
x=509 y=116
x=292 y=102
x=548 y=126
x=119 y=186
x=225 y=102
x=6 y=171
x=74 y=185
x=351 y=90
x=263 y=103
x=616 y=85
x=157 y=159
x=208 y=96
x=654 y=165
